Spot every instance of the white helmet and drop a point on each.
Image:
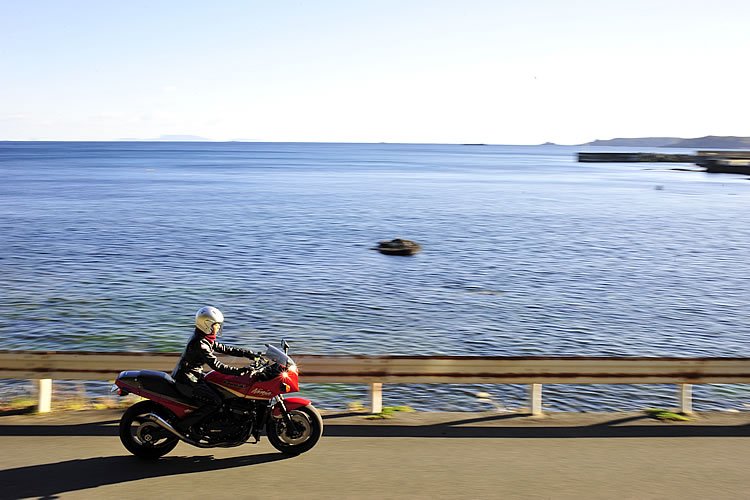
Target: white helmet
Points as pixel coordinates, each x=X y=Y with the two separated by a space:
x=206 y=317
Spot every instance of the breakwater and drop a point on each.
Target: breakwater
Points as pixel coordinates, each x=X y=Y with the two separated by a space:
x=731 y=162
x=635 y=158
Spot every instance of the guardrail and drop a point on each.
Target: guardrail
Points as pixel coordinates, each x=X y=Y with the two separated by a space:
x=379 y=370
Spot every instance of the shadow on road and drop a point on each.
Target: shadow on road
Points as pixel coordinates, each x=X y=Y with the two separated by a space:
x=511 y=425
x=103 y=428
x=597 y=431
x=49 y=480
x=485 y=427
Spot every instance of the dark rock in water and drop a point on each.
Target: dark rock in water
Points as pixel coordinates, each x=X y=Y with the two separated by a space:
x=398 y=247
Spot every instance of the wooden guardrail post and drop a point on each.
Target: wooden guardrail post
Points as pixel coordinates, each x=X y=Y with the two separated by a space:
x=686 y=398
x=44 y=388
x=535 y=399
x=376 y=397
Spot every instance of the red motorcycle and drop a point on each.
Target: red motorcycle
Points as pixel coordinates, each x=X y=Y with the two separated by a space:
x=251 y=404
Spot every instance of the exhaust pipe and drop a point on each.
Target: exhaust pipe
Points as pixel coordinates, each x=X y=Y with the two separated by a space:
x=165 y=425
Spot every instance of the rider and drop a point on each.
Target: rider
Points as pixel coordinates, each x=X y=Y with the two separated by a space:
x=188 y=374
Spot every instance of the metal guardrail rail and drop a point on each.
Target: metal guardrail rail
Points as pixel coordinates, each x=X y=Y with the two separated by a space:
x=377 y=370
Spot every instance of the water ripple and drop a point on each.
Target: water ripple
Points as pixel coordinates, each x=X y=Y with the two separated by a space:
x=113 y=246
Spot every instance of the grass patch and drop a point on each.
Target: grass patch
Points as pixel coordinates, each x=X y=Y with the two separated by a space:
x=356 y=406
x=666 y=415
x=389 y=412
x=18 y=405
x=24 y=405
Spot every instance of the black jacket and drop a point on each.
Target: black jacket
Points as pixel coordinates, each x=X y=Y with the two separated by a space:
x=199 y=351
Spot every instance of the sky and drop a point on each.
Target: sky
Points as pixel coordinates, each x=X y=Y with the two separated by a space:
x=468 y=71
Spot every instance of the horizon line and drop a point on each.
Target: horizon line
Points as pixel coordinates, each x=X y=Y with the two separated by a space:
x=212 y=141
x=203 y=140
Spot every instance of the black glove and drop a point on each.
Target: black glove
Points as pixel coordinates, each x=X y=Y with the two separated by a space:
x=253 y=373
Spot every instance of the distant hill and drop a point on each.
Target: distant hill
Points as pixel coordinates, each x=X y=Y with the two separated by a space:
x=168 y=138
x=181 y=138
x=654 y=142
x=710 y=141
x=714 y=142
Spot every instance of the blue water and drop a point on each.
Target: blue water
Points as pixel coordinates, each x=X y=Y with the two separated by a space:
x=113 y=246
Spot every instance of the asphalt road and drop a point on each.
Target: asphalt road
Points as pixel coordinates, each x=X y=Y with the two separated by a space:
x=565 y=456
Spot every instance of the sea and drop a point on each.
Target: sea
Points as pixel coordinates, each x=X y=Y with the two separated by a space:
x=113 y=246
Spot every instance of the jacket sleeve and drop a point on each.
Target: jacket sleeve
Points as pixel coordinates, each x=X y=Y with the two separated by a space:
x=211 y=360
x=232 y=351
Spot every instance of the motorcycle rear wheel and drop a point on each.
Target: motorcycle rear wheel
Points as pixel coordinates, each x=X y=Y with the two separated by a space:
x=142 y=437
x=308 y=429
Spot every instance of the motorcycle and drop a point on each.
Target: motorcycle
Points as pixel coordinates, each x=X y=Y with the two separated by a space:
x=252 y=403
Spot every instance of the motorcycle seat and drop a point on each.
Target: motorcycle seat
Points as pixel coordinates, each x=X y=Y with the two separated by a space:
x=147 y=374
x=154 y=382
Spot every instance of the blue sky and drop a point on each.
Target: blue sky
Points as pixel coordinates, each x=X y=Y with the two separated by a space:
x=502 y=72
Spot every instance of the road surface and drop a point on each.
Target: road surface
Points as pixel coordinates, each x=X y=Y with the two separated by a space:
x=422 y=455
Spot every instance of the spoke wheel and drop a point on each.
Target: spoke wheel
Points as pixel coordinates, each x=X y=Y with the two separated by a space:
x=143 y=437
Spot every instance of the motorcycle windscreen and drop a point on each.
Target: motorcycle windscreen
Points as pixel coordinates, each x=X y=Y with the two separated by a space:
x=277 y=355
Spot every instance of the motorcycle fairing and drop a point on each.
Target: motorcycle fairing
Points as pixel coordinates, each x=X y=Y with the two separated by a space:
x=290 y=404
x=245 y=386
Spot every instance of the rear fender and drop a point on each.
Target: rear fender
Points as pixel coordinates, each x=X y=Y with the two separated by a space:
x=179 y=408
x=290 y=404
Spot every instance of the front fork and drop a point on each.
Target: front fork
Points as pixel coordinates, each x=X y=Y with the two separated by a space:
x=279 y=400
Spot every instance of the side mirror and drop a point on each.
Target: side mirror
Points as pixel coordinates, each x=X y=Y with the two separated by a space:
x=284 y=346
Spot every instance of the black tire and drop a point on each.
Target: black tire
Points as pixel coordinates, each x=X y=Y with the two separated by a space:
x=309 y=429
x=144 y=438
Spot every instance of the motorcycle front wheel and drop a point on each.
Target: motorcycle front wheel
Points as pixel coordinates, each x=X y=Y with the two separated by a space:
x=143 y=437
x=307 y=429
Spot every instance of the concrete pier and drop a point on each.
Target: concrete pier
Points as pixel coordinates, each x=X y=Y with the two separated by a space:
x=726 y=162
